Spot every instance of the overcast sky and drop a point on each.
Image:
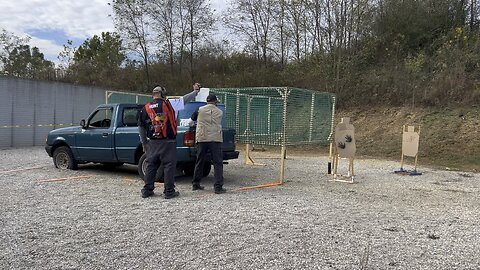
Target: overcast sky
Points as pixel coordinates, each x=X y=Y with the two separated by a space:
x=50 y=23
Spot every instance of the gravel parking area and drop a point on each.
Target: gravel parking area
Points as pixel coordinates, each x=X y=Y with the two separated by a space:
x=99 y=221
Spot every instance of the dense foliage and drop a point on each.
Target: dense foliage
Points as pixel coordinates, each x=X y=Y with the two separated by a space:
x=368 y=52
x=18 y=59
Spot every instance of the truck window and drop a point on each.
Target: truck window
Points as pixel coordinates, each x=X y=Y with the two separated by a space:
x=130 y=116
x=102 y=118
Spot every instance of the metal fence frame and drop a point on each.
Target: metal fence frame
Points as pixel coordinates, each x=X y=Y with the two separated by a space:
x=278 y=108
x=125 y=97
x=280 y=120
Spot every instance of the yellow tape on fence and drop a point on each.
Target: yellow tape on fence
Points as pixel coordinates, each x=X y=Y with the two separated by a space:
x=39 y=125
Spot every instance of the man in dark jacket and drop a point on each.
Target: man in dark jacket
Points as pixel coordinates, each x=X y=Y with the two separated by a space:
x=157 y=127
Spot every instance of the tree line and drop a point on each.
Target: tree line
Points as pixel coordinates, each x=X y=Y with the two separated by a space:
x=368 y=52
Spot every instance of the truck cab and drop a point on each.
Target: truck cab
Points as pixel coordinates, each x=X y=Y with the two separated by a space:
x=110 y=136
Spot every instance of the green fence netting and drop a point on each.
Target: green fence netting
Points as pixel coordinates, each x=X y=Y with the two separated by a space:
x=278 y=115
x=268 y=115
x=121 y=97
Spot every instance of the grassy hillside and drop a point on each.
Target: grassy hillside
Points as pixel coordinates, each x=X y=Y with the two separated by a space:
x=449 y=138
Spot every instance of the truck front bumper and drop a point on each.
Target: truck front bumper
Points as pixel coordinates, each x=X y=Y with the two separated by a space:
x=48 y=148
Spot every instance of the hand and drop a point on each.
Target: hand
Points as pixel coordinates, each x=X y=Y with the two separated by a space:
x=197 y=87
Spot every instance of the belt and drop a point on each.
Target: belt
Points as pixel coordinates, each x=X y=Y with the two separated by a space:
x=161 y=139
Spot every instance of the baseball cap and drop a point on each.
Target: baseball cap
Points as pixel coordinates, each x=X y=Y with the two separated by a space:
x=212 y=98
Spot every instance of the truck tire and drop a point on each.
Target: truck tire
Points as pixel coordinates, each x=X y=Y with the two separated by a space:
x=142 y=166
x=63 y=158
x=189 y=169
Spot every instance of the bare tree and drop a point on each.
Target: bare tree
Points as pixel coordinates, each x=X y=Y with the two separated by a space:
x=296 y=9
x=314 y=9
x=163 y=14
x=131 y=21
x=280 y=26
x=200 y=24
x=253 y=19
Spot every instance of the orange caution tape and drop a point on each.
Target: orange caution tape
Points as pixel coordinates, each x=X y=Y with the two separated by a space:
x=259 y=186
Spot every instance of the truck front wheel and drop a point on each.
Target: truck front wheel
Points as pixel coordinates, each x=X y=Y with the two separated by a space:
x=63 y=158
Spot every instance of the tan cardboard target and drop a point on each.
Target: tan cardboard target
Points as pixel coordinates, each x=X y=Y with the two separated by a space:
x=410 y=141
x=345 y=139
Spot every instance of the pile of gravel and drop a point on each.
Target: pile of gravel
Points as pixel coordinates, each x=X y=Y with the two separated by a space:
x=382 y=221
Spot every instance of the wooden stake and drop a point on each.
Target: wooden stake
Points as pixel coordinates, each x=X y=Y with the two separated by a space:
x=24 y=169
x=65 y=178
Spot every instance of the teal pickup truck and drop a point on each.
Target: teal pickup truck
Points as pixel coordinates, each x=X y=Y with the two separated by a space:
x=110 y=136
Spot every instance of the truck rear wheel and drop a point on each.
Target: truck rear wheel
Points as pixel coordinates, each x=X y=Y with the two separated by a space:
x=63 y=158
x=207 y=167
x=142 y=166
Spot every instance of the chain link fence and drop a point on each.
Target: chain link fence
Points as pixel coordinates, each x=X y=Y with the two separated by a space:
x=278 y=116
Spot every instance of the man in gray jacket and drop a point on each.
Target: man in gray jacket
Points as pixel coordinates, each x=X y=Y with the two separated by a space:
x=209 y=137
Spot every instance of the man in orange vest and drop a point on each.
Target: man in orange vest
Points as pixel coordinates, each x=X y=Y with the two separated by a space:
x=158 y=129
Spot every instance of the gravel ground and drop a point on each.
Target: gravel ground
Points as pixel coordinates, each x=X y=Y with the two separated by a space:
x=383 y=221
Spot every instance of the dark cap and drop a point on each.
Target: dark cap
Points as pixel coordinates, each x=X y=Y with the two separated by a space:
x=212 y=98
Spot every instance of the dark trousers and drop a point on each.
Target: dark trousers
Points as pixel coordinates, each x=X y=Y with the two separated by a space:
x=215 y=149
x=162 y=152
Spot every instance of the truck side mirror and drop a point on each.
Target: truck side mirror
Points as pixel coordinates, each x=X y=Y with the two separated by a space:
x=82 y=123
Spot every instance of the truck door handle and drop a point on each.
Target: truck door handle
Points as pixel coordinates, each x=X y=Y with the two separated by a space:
x=104 y=134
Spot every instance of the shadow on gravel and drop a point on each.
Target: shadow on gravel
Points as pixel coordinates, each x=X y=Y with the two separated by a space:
x=129 y=171
x=124 y=170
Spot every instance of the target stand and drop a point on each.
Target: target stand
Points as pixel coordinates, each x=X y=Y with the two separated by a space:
x=345 y=148
x=410 y=142
x=248 y=157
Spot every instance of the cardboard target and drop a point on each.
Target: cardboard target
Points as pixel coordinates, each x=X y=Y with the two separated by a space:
x=410 y=141
x=345 y=139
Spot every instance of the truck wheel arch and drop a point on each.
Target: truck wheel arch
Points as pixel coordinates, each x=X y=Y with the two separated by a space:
x=57 y=144
x=138 y=153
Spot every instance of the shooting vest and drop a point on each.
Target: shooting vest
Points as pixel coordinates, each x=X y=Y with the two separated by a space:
x=209 y=124
x=162 y=116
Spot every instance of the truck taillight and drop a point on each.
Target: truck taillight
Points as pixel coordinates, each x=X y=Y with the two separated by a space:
x=189 y=138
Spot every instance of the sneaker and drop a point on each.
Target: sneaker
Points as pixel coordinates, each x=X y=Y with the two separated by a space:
x=198 y=187
x=220 y=190
x=147 y=193
x=171 y=195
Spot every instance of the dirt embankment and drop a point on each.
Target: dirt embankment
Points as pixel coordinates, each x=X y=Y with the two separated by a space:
x=449 y=138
